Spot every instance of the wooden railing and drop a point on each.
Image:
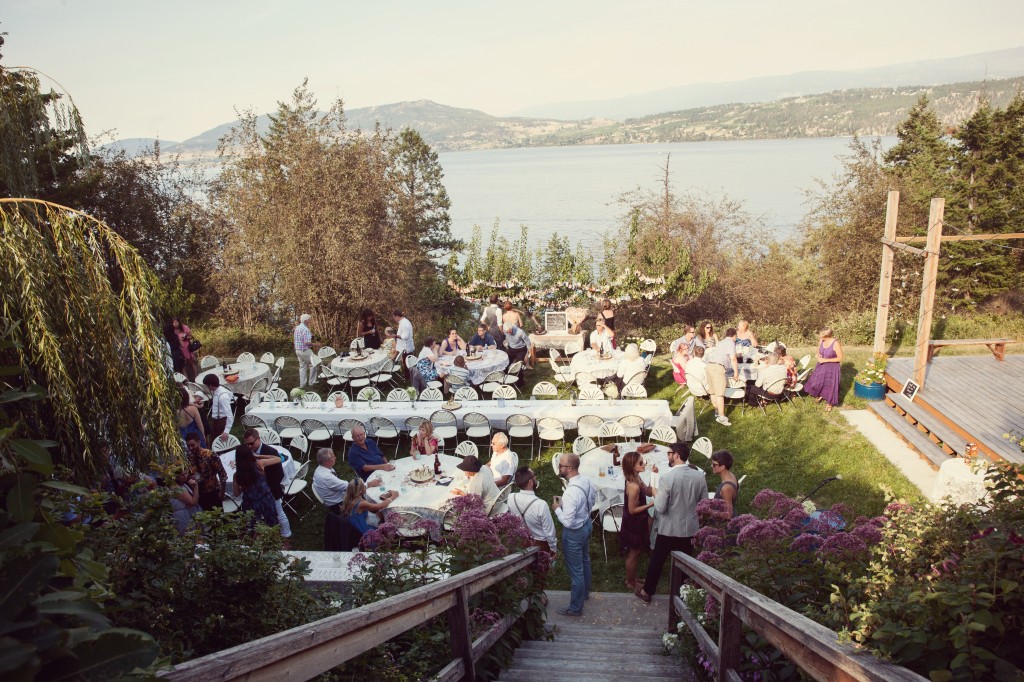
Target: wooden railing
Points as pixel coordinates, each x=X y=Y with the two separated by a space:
x=314 y=648
x=810 y=645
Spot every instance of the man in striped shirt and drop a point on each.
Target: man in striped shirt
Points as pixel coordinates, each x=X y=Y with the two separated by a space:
x=303 y=339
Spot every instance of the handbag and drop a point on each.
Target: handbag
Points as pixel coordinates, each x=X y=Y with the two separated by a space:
x=194 y=345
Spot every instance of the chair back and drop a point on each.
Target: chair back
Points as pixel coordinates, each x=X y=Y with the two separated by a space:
x=267 y=357
x=315 y=361
x=259 y=386
x=398 y=395
x=573 y=347
x=703 y=446
x=467 y=393
x=649 y=346
x=637 y=379
x=407 y=521
x=632 y=424
x=410 y=361
x=225 y=441
x=276 y=394
x=583 y=444
x=286 y=422
x=298 y=481
x=301 y=444
x=585 y=378
x=553 y=354
x=515 y=368
x=591 y=392
x=180 y=378
x=555 y=459
x=505 y=391
x=253 y=421
x=698 y=387
x=611 y=519
x=501 y=501
x=467 y=448
x=279 y=363
x=634 y=391
x=442 y=418
x=269 y=436
x=412 y=424
x=367 y=393
x=326 y=352
x=311 y=397
x=545 y=389
x=589 y=425
x=739 y=481
x=612 y=430
x=383 y=427
x=550 y=428
x=663 y=434
x=209 y=362
x=345 y=427
x=334 y=394
x=431 y=394
x=804 y=362
x=198 y=389
x=310 y=425
x=246 y=357
x=518 y=420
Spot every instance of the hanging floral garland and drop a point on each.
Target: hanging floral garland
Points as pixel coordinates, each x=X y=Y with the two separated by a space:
x=628 y=286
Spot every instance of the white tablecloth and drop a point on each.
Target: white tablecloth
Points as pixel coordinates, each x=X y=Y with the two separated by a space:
x=654 y=412
x=610 y=488
x=490 y=361
x=291 y=467
x=376 y=359
x=248 y=374
x=588 y=361
x=429 y=500
x=557 y=341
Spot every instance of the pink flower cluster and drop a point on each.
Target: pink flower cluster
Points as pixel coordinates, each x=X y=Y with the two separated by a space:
x=774 y=503
x=710 y=539
x=763 y=534
x=711 y=511
x=842 y=546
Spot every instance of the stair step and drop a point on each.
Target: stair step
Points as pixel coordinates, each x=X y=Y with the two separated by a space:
x=513 y=675
x=643 y=646
x=951 y=438
x=932 y=452
x=609 y=630
x=632 y=666
x=554 y=651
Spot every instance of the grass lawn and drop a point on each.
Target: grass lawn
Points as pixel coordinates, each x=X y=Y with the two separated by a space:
x=789 y=452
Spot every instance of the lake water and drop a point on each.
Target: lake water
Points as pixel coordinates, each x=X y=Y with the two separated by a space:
x=573 y=190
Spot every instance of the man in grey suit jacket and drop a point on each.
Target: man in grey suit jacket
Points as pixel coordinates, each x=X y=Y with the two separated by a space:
x=675 y=506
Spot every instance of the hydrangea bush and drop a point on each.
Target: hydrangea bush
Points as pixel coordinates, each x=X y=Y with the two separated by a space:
x=936 y=588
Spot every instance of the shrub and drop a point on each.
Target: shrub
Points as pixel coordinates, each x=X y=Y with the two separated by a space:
x=232 y=341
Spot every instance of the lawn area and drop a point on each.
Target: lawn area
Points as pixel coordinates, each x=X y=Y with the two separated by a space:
x=789 y=452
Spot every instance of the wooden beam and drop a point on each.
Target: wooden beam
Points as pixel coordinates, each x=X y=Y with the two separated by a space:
x=892 y=207
x=730 y=630
x=458 y=627
x=903 y=247
x=964 y=237
x=928 y=280
x=704 y=641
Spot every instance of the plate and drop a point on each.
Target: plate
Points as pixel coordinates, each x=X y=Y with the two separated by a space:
x=474 y=358
x=421 y=475
x=451 y=405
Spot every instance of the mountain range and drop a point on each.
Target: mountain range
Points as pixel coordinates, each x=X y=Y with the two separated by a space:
x=807 y=104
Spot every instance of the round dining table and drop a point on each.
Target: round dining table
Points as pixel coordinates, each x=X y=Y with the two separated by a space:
x=248 y=374
x=588 y=361
x=373 y=361
x=489 y=361
x=428 y=499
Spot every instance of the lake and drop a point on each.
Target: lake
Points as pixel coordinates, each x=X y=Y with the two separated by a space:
x=573 y=190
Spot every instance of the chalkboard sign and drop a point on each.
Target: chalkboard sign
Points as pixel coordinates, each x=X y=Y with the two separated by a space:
x=910 y=389
x=556 y=323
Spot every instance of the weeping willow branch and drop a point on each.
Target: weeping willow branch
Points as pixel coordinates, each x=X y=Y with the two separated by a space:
x=82 y=297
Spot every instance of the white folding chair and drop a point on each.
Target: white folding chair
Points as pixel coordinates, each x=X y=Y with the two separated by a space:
x=466 y=393
x=467 y=448
x=326 y=352
x=572 y=348
x=649 y=346
x=277 y=395
x=246 y=357
x=431 y=394
x=180 y=378
x=611 y=522
x=252 y=421
x=589 y=425
x=550 y=430
x=491 y=381
x=544 y=389
x=288 y=427
x=269 y=436
x=367 y=393
x=267 y=358
x=299 y=445
x=445 y=424
x=296 y=486
x=385 y=430
x=225 y=442
x=583 y=444
x=519 y=426
x=632 y=426
x=611 y=431
x=209 y=362
x=505 y=391
x=311 y=397
x=703 y=446
x=316 y=431
x=344 y=430
x=500 y=505
x=398 y=395
x=476 y=425
x=358 y=379
x=636 y=392
x=663 y=434
x=591 y=392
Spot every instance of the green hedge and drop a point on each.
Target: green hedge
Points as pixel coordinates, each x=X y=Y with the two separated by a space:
x=224 y=341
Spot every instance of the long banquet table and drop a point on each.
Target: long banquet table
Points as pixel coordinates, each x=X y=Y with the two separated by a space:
x=654 y=412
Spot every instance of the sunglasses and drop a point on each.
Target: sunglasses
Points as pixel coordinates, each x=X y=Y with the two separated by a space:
x=251 y=443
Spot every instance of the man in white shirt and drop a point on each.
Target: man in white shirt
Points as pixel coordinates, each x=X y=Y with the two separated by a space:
x=696 y=370
x=302 y=339
x=721 y=362
x=221 y=414
x=600 y=338
x=481 y=481
x=517 y=343
x=534 y=512
x=573 y=512
x=771 y=381
x=402 y=334
x=326 y=483
x=503 y=462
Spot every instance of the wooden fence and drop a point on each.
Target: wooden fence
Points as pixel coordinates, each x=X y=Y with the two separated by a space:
x=314 y=648
x=810 y=645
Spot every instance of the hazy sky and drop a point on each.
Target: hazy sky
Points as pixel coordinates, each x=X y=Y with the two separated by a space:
x=176 y=69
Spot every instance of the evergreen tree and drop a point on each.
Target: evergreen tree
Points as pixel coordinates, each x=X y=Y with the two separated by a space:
x=421 y=201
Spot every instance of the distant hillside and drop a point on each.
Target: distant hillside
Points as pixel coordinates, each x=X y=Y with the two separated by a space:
x=998 y=64
x=866 y=111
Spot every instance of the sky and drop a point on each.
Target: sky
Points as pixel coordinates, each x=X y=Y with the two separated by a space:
x=140 y=68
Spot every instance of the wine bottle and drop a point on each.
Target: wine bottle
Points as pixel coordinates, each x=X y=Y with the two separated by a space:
x=437 y=465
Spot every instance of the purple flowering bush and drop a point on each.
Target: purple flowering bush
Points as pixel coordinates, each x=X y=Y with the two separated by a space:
x=938 y=588
x=391 y=565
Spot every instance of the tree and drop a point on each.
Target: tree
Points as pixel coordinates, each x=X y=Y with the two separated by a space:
x=421 y=201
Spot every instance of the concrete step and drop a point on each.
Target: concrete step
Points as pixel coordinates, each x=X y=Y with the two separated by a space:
x=932 y=452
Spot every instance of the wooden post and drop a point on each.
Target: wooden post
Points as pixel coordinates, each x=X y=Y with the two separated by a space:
x=928 y=277
x=458 y=626
x=892 y=208
x=675 y=581
x=730 y=627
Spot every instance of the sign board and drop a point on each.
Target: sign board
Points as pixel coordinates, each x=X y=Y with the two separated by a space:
x=556 y=323
x=910 y=389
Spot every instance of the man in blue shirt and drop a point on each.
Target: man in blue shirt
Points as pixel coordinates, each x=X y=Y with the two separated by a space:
x=483 y=338
x=364 y=456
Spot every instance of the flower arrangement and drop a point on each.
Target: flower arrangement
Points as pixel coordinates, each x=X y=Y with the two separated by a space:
x=873 y=371
x=297 y=393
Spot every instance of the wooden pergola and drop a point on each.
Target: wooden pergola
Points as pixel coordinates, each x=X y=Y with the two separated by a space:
x=933 y=241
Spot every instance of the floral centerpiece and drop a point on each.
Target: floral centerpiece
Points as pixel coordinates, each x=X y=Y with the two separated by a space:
x=870 y=380
x=297 y=394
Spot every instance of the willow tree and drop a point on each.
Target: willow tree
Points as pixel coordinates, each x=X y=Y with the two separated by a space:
x=80 y=299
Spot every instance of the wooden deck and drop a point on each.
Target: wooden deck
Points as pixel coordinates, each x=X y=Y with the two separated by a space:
x=976 y=396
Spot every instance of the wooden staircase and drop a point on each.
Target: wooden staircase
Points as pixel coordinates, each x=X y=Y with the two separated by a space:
x=597 y=653
x=926 y=433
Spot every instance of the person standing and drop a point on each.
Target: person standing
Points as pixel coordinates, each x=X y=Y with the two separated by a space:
x=402 y=334
x=184 y=334
x=635 y=533
x=533 y=511
x=517 y=343
x=824 y=380
x=213 y=480
x=492 y=318
x=222 y=417
x=271 y=463
x=675 y=508
x=303 y=340
x=573 y=512
x=721 y=361
x=366 y=329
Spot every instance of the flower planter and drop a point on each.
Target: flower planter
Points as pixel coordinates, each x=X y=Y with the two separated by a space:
x=869 y=391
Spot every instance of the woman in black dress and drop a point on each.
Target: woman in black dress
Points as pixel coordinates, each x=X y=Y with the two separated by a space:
x=635 y=534
x=366 y=329
x=729 y=488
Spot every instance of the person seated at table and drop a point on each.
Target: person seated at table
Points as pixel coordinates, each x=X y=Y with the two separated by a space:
x=771 y=381
x=271 y=463
x=251 y=483
x=185 y=503
x=517 y=343
x=364 y=455
x=210 y=471
x=326 y=483
x=679 y=359
x=458 y=369
x=630 y=365
x=602 y=339
x=688 y=340
x=706 y=335
x=428 y=357
x=481 y=481
x=356 y=508
x=424 y=442
x=744 y=337
x=366 y=329
x=535 y=513
x=453 y=344
x=635 y=532
x=729 y=488
x=696 y=369
x=503 y=462
x=482 y=340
